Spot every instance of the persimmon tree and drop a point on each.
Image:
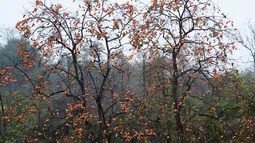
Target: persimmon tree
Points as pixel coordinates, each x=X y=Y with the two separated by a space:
x=195 y=38
x=80 y=49
x=18 y=120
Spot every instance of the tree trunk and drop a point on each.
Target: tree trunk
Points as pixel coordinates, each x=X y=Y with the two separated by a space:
x=253 y=56
x=174 y=91
x=4 y=120
x=144 y=78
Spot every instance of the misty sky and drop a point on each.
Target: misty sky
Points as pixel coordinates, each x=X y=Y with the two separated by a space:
x=239 y=11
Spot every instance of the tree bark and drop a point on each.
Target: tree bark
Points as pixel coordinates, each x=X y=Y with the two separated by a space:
x=4 y=120
x=174 y=90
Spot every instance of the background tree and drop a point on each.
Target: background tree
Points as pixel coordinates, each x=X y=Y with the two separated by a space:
x=248 y=41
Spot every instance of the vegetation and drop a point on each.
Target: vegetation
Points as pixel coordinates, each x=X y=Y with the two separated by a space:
x=125 y=72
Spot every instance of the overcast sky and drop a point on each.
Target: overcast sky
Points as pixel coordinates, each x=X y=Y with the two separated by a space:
x=239 y=11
